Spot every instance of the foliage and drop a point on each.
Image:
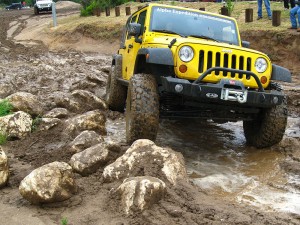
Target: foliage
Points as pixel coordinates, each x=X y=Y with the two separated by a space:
x=3 y=138
x=90 y=5
x=5 y=108
x=64 y=221
x=36 y=122
x=229 y=5
x=94 y=4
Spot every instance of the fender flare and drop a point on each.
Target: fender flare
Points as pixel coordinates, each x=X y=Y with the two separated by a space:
x=281 y=73
x=162 y=56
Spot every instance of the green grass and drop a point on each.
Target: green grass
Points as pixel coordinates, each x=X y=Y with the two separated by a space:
x=64 y=221
x=3 y=139
x=35 y=123
x=5 y=108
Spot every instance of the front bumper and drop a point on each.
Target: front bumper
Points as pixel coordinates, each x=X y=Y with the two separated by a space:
x=44 y=8
x=227 y=91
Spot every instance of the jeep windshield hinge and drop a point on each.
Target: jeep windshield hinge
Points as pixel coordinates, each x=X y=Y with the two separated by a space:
x=172 y=43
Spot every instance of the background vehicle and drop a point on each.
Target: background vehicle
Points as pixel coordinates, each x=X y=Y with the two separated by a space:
x=42 y=6
x=17 y=6
x=176 y=62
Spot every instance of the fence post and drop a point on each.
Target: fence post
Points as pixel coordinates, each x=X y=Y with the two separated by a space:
x=224 y=11
x=249 y=15
x=107 y=11
x=276 y=18
x=54 y=15
x=127 y=9
x=117 y=11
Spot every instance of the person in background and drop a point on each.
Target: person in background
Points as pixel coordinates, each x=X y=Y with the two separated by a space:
x=293 y=13
x=286 y=4
x=268 y=8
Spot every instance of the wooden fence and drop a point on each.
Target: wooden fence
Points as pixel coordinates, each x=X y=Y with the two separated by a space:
x=276 y=21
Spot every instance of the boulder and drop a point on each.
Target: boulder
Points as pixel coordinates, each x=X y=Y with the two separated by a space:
x=91 y=159
x=144 y=158
x=23 y=101
x=64 y=100
x=100 y=80
x=88 y=100
x=16 y=125
x=57 y=113
x=52 y=182
x=85 y=140
x=47 y=123
x=92 y=120
x=140 y=193
x=3 y=168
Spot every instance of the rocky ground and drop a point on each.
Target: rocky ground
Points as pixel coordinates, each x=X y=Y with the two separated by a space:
x=73 y=83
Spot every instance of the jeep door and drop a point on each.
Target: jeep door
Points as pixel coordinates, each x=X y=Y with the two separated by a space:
x=131 y=47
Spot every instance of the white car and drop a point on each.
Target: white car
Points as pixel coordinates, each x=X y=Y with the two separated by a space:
x=42 y=6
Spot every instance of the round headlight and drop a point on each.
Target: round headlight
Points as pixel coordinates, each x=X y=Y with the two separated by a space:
x=186 y=54
x=261 y=65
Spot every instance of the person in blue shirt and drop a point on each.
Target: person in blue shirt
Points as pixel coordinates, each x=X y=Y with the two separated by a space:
x=268 y=8
x=295 y=12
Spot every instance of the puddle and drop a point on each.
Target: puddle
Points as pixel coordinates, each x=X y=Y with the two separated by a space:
x=220 y=163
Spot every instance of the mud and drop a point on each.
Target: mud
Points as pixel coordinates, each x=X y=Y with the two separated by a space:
x=229 y=182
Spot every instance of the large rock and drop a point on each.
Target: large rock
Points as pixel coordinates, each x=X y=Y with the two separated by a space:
x=93 y=120
x=64 y=100
x=53 y=182
x=91 y=159
x=144 y=158
x=140 y=193
x=85 y=140
x=57 y=113
x=88 y=101
x=23 y=101
x=16 y=125
x=47 y=123
x=3 y=168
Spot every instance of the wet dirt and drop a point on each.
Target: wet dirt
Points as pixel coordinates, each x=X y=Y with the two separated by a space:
x=230 y=182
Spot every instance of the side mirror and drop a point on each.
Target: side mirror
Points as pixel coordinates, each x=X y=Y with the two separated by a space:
x=134 y=29
x=246 y=44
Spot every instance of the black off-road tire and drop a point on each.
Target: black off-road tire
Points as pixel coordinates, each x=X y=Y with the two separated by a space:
x=115 y=92
x=36 y=11
x=142 y=108
x=268 y=128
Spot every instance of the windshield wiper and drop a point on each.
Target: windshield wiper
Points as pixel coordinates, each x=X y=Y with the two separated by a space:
x=204 y=37
x=168 y=32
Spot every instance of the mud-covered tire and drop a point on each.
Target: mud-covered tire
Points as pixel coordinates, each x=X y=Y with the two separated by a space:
x=268 y=128
x=142 y=108
x=115 y=92
x=36 y=11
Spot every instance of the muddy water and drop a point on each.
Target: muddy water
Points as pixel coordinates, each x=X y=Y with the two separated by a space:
x=220 y=163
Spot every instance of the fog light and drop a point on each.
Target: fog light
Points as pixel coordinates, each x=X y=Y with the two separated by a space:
x=263 y=79
x=178 y=88
x=182 y=68
x=275 y=100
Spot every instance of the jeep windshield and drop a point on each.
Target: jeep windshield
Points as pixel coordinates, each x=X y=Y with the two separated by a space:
x=194 y=24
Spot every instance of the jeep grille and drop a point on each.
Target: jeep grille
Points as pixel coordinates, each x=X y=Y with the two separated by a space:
x=209 y=59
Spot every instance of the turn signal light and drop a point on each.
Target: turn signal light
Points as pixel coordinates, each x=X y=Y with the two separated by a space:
x=182 y=68
x=263 y=79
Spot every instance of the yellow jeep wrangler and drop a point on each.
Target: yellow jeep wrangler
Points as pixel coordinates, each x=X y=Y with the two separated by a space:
x=176 y=62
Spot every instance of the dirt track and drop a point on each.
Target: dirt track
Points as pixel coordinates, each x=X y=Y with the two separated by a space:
x=49 y=75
